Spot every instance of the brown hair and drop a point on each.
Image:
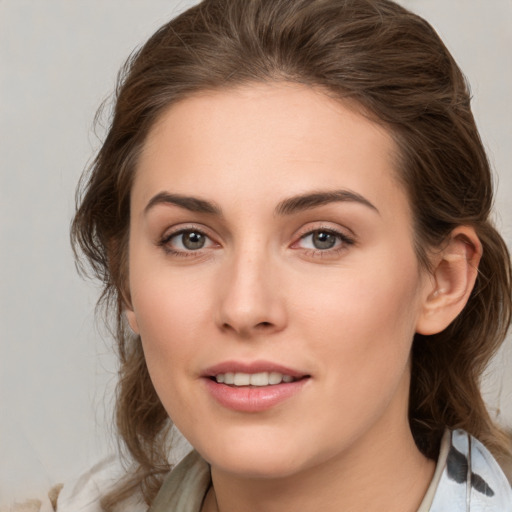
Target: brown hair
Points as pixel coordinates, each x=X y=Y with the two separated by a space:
x=393 y=65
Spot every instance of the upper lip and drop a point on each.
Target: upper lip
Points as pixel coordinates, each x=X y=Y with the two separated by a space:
x=252 y=367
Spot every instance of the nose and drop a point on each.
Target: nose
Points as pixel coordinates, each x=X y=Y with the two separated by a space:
x=251 y=300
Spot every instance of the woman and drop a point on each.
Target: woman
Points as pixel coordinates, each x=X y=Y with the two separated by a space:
x=290 y=217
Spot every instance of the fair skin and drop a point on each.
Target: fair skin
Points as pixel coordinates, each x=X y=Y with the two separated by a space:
x=230 y=273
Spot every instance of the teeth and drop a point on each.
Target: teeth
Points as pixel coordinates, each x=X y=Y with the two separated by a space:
x=260 y=379
x=242 y=379
x=253 y=379
x=274 y=378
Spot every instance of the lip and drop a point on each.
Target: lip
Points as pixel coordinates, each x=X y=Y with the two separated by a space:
x=253 y=399
x=252 y=367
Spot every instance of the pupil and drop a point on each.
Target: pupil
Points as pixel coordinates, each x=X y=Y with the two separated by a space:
x=193 y=240
x=323 y=240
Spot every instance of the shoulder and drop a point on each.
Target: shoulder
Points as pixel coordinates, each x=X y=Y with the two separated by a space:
x=471 y=478
x=83 y=494
x=42 y=504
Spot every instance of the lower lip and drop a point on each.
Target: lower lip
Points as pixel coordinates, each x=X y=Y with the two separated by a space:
x=253 y=398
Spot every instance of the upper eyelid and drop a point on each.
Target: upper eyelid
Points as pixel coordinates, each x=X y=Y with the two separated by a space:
x=164 y=242
x=311 y=227
x=344 y=239
x=183 y=228
x=174 y=234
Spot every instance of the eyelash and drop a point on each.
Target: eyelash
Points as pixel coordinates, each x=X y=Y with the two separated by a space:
x=164 y=242
x=343 y=238
x=345 y=242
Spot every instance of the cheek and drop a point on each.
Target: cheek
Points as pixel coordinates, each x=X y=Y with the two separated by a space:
x=171 y=312
x=362 y=333
x=364 y=319
x=170 y=320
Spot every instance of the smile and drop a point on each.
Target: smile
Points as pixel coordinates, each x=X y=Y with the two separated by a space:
x=253 y=387
x=253 y=379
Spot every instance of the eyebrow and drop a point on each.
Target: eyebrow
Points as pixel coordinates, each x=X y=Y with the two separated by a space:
x=288 y=206
x=315 y=199
x=190 y=203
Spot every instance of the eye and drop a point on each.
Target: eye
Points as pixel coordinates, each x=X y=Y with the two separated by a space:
x=190 y=240
x=324 y=240
x=186 y=241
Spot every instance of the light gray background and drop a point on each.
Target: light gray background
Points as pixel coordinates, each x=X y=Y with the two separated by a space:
x=58 y=61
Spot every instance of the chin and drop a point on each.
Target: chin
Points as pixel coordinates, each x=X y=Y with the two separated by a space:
x=252 y=456
x=262 y=465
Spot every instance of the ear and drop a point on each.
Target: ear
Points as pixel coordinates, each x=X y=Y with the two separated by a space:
x=132 y=319
x=455 y=269
x=129 y=311
x=118 y=259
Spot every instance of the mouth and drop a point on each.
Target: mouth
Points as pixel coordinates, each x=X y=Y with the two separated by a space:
x=253 y=387
x=260 y=379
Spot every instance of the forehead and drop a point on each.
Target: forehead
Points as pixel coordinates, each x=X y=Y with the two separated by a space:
x=266 y=140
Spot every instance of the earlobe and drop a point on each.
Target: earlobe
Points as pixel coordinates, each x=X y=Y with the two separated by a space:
x=129 y=312
x=453 y=278
x=132 y=320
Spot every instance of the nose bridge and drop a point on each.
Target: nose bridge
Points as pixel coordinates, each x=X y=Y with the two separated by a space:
x=250 y=300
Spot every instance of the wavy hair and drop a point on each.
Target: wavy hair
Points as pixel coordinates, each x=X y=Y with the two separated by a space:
x=393 y=65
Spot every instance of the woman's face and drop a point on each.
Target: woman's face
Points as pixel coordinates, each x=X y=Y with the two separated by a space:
x=273 y=278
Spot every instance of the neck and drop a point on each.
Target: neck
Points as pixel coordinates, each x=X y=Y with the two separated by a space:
x=385 y=472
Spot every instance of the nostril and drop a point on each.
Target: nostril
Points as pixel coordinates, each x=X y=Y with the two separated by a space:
x=264 y=324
